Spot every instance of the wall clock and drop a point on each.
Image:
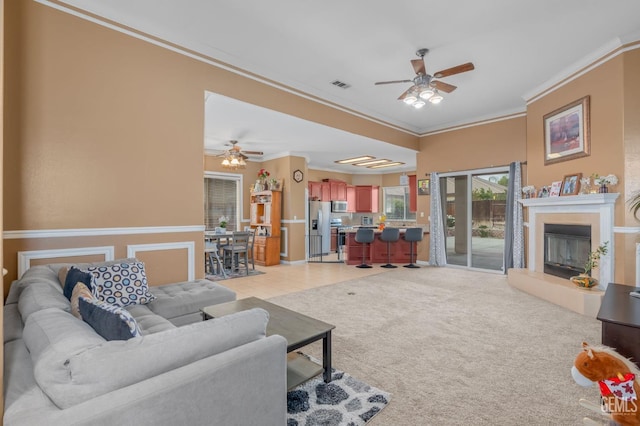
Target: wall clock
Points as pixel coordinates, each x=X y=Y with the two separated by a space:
x=297 y=176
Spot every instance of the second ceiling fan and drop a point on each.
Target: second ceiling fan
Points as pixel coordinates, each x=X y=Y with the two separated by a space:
x=427 y=87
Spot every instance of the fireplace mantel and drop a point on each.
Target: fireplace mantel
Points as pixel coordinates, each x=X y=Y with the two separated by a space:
x=600 y=204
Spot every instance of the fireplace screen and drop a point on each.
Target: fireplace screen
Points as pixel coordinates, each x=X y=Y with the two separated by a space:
x=566 y=249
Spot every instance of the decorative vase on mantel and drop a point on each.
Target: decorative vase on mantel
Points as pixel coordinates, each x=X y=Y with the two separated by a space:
x=603 y=188
x=584 y=281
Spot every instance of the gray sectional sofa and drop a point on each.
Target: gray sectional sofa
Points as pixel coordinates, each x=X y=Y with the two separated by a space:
x=182 y=370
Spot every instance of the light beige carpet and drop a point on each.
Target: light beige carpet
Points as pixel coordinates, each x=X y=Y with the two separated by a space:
x=454 y=347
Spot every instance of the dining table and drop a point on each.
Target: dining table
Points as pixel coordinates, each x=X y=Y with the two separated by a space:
x=214 y=241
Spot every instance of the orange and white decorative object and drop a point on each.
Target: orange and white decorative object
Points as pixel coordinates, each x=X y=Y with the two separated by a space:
x=617 y=378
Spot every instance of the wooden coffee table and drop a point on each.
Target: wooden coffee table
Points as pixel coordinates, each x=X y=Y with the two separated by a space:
x=299 y=330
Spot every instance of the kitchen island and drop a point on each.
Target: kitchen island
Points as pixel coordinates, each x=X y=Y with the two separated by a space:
x=376 y=252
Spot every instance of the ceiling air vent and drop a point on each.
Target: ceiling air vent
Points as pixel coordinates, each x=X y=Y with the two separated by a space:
x=340 y=84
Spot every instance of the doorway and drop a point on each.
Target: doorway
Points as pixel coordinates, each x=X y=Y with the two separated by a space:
x=474 y=212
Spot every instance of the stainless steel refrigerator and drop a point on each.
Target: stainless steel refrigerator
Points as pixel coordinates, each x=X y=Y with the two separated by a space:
x=319 y=228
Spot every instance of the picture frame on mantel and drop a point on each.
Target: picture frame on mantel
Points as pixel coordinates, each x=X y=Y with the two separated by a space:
x=571 y=184
x=567 y=132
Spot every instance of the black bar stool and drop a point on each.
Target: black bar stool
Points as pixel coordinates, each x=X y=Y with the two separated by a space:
x=390 y=235
x=364 y=237
x=412 y=235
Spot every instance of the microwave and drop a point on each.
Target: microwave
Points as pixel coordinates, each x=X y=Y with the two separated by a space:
x=339 y=206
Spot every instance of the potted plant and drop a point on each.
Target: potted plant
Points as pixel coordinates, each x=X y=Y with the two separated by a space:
x=223 y=224
x=585 y=279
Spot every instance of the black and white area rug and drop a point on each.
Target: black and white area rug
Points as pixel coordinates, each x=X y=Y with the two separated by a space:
x=345 y=401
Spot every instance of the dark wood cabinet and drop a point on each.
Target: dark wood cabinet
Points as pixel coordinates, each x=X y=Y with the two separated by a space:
x=620 y=316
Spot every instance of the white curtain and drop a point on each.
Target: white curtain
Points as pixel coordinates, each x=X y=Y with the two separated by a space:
x=438 y=251
x=514 y=226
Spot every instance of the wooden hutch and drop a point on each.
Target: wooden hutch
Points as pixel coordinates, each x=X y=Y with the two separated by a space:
x=266 y=213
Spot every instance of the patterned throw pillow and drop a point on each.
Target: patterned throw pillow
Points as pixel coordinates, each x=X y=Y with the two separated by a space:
x=73 y=277
x=80 y=290
x=121 y=284
x=109 y=321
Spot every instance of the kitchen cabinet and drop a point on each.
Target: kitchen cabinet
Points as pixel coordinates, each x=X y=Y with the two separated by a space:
x=413 y=194
x=351 y=198
x=315 y=190
x=338 y=190
x=265 y=215
x=367 y=198
x=376 y=252
x=320 y=191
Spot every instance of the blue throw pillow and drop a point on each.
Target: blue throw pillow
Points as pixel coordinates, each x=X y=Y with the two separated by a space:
x=75 y=276
x=111 y=322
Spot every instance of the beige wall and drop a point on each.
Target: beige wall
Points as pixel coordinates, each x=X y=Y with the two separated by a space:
x=106 y=131
x=486 y=145
x=615 y=141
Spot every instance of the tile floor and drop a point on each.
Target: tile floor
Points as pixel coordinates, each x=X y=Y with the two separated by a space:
x=284 y=278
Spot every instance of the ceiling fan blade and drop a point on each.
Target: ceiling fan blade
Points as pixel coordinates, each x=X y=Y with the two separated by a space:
x=252 y=152
x=443 y=87
x=393 y=82
x=454 y=70
x=406 y=92
x=418 y=66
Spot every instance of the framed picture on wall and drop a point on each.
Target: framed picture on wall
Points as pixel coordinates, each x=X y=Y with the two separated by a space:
x=566 y=132
x=423 y=186
x=571 y=184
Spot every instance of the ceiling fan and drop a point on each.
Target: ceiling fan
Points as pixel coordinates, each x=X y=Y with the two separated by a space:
x=235 y=156
x=427 y=87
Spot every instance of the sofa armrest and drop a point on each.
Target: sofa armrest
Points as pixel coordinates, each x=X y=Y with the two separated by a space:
x=245 y=385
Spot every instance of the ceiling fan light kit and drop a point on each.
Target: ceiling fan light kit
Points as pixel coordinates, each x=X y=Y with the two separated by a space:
x=425 y=87
x=234 y=158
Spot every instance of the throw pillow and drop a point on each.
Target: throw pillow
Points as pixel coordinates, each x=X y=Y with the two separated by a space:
x=75 y=276
x=109 y=321
x=80 y=290
x=62 y=275
x=121 y=284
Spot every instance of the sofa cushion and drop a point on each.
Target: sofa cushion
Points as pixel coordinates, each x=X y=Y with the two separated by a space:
x=187 y=298
x=72 y=278
x=72 y=366
x=41 y=295
x=149 y=322
x=121 y=283
x=12 y=323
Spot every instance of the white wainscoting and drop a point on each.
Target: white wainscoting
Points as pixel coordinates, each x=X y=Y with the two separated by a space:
x=25 y=257
x=133 y=249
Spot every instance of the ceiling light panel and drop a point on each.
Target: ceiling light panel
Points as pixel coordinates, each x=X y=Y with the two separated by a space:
x=379 y=166
x=355 y=159
x=369 y=163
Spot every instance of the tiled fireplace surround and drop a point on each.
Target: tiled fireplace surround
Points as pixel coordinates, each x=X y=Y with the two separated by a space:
x=596 y=210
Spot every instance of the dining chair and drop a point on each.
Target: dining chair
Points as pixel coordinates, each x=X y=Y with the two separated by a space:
x=239 y=246
x=252 y=238
x=212 y=253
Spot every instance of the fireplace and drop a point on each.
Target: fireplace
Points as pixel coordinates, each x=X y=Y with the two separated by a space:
x=566 y=249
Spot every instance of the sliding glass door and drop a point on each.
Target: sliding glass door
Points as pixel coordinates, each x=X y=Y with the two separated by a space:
x=474 y=205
